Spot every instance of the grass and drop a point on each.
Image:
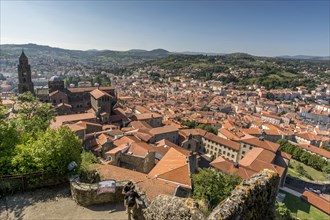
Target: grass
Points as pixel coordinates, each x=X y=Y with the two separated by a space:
x=315 y=174
x=302 y=209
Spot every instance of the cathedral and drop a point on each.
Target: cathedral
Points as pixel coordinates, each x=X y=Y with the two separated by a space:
x=99 y=100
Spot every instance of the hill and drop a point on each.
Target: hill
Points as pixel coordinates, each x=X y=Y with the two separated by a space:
x=11 y=52
x=244 y=69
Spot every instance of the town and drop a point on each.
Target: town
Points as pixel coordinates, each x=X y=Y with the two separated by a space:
x=158 y=129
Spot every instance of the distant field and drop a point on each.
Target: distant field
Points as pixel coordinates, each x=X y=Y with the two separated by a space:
x=302 y=209
x=315 y=174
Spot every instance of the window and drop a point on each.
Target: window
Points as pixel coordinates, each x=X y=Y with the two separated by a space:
x=60 y=100
x=54 y=101
x=250 y=148
x=232 y=156
x=189 y=146
x=228 y=154
x=243 y=152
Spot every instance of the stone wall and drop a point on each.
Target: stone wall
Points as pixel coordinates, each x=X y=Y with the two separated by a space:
x=296 y=183
x=253 y=199
x=85 y=194
x=140 y=164
x=172 y=208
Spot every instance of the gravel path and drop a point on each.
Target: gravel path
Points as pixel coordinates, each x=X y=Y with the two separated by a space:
x=55 y=203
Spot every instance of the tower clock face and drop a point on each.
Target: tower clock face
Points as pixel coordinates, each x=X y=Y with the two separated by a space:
x=24 y=73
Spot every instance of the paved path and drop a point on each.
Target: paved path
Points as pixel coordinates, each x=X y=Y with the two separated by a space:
x=292 y=192
x=55 y=203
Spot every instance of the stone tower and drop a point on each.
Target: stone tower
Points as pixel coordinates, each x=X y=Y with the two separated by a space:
x=24 y=75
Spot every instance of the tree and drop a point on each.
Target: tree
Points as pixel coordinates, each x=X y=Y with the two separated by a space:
x=282 y=212
x=33 y=115
x=212 y=186
x=51 y=150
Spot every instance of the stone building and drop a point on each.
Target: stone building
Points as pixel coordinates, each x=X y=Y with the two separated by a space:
x=24 y=75
x=98 y=100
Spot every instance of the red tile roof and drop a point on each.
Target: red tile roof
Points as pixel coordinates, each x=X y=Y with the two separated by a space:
x=222 y=141
x=317 y=201
x=268 y=145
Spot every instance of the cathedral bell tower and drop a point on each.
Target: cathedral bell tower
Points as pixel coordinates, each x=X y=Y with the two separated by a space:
x=24 y=75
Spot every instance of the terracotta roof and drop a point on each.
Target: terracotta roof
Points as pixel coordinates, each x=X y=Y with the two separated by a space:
x=172 y=167
x=163 y=143
x=96 y=93
x=89 y=89
x=59 y=120
x=140 y=148
x=222 y=141
x=163 y=130
x=228 y=134
x=227 y=166
x=146 y=116
x=124 y=140
x=261 y=143
x=115 y=150
x=257 y=153
x=194 y=132
x=285 y=155
x=309 y=136
x=317 y=201
x=75 y=127
x=316 y=150
x=145 y=184
x=140 y=124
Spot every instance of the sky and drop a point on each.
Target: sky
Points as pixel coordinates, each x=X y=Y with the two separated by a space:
x=262 y=27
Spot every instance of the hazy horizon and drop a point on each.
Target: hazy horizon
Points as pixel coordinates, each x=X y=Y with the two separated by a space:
x=197 y=52
x=261 y=28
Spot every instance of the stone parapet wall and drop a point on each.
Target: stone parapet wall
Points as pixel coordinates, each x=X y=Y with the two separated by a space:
x=166 y=207
x=253 y=199
x=86 y=194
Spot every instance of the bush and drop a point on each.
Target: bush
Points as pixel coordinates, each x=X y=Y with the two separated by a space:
x=282 y=212
x=212 y=186
x=86 y=174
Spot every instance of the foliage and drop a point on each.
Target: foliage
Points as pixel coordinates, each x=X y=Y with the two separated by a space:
x=27 y=145
x=87 y=158
x=51 y=150
x=194 y=124
x=212 y=186
x=303 y=172
x=33 y=116
x=282 y=212
x=100 y=79
x=87 y=174
x=305 y=157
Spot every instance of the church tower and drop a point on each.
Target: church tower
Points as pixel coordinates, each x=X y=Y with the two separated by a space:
x=24 y=75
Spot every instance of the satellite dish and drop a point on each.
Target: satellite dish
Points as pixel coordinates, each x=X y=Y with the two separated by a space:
x=72 y=165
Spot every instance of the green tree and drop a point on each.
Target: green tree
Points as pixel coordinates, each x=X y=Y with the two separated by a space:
x=212 y=186
x=52 y=149
x=33 y=115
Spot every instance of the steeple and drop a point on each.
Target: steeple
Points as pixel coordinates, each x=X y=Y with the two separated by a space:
x=23 y=58
x=24 y=75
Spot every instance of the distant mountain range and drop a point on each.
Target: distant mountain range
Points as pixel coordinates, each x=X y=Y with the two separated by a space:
x=10 y=49
x=122 y=57
x=305 y=57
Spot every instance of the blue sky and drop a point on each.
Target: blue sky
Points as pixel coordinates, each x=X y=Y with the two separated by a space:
x=260 y=27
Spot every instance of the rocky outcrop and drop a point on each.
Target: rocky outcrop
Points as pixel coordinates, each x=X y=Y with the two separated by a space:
x=172 y=208
x=253 y=199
